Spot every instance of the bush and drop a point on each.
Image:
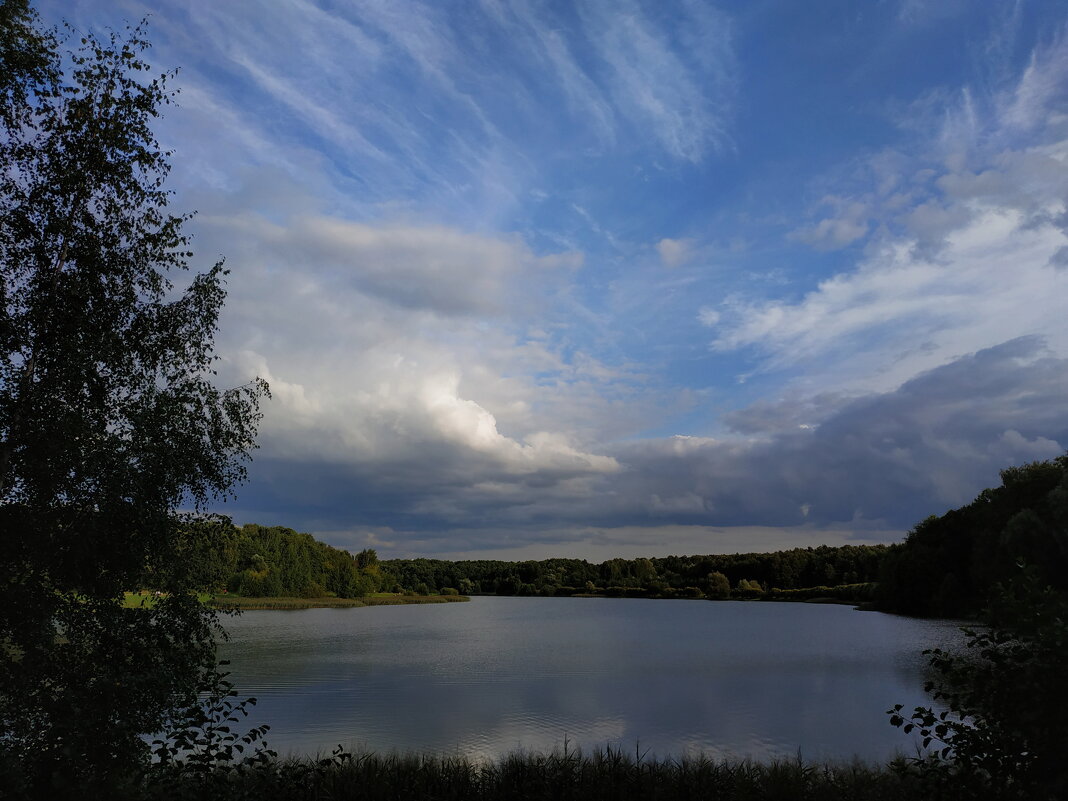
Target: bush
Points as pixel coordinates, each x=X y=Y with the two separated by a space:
x=1004 y=727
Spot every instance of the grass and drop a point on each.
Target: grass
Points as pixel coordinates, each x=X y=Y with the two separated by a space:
x=146 y=599
x=603 y=775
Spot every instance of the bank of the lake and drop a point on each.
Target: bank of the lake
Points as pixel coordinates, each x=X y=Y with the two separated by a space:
x=379 y=599
x=144 y=598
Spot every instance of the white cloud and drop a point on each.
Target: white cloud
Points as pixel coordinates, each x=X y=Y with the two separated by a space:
x=400 y=352
x=674 y=252
x=684 y=96
x=963 y=252
x=1037 y=101
x=861 y=329
x=708 y=316
x=450 y=387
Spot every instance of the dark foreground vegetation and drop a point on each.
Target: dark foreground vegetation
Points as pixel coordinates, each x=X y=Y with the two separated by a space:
x=605 y=775
x=109 y=425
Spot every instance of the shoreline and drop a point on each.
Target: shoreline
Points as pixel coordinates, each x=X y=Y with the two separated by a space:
x=241 y=603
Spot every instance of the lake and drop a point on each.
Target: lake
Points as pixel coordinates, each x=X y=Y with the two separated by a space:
x=668 y=677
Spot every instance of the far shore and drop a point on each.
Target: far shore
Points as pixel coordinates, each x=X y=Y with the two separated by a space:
x=229 y=601
x=378 y=599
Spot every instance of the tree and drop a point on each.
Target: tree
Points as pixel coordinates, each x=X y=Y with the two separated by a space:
x=109 y=421
x=718 y=585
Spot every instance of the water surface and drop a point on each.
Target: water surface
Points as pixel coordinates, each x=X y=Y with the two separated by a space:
x=667 y=677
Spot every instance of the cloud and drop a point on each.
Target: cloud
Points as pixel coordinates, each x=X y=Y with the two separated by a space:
x=674 y=252
x=861 y=329
x=429 y=267
x=684 y=95
x=871 y=465
x=438 y=218
x=596 y=544
x=966 y=238
x=708 y=316
x=831 y=233
x=962 y=235
x=492 y=93
x=888 y=458
x=419 y=371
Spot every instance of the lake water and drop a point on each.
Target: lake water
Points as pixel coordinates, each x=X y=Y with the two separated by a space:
x=668 y=677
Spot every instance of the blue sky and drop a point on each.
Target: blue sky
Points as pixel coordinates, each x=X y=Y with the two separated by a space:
x=618 y=278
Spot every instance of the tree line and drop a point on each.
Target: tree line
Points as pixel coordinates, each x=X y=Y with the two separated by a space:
x=712 y=576
x=947 y=566
x=254 y=560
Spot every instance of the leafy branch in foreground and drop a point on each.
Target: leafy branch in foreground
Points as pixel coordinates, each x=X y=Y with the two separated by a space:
x=202 y=745
x=1003 y=727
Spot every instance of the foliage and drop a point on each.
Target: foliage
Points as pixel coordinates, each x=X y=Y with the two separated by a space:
x=276 y=562
x=1003 y=726
x=717 y=585
x=948 y=565
x=1001 y=729
x=269 y=562
x=108 y=417
x=238 y=603
x=673 y=576
x=201 y=748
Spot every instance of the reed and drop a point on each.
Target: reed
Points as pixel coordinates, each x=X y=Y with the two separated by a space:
x=567 y=774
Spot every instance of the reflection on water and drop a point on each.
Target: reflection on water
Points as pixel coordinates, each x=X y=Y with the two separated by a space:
x=668 y=677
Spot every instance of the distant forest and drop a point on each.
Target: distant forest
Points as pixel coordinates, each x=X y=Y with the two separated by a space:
x=847 y=569
x=946 y=566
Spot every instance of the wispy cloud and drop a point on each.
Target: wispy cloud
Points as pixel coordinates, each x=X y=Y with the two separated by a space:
x=685 y=95
x=960 y=255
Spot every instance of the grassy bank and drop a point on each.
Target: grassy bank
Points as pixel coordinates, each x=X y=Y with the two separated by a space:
x=604 y=775
x=137 y=600
x=146 y=599
x=377 y=599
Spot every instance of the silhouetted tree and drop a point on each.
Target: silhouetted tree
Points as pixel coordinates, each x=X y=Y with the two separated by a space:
x=108 y=419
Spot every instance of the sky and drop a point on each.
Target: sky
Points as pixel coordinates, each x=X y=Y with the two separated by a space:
x=615 y=278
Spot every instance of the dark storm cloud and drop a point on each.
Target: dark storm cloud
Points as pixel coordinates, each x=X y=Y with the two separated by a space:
x=894 y=457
